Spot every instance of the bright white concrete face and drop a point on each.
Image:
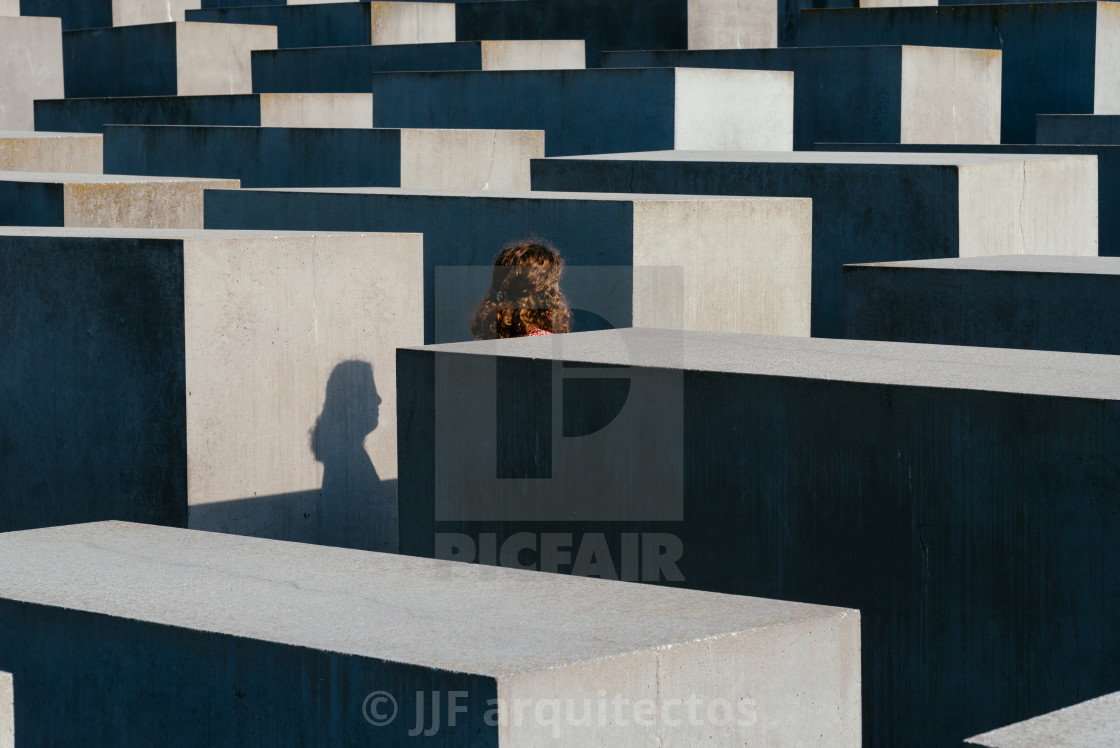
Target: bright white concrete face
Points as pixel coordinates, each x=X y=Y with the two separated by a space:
x=75 y=153
x=533 y=55
x=134 y=12
x=895 y=3
x=9 y=7
x=732 y=24
x=1091 y=724
x=7 y=712
x=950 y=95
x=469 y=159
x=214 y=58
x=316 y=110
x=1106 y=79
x=411 y=23
x=30 y=67
x=733 y=110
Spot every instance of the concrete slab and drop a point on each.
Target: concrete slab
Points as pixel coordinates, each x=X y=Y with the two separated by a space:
x=30 y=68
x=669 y=261
x=256 y=629
x=732 y=463
x=600 y=111
x=1010 y=301
x=1041 y=75
x=9 y=7
x=162 y=59
x=7 y=712
x=95 y=14
x=875 y=207
x=348 y=69
x=239 y=382
x=237 y=110
x=1093 y=723
x=50 y=151
x=1078 y=129
x=867 y=94
x=319 y=157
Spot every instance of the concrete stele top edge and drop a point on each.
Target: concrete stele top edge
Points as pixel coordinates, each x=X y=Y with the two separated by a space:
x=516 y=195
x=59 y=232
x=44 y=135
x=863 y=158
x=67 y=178
x=1009 y=264
x=1090 y=724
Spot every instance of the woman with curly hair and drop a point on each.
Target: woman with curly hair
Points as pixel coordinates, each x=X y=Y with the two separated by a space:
x=524 y=297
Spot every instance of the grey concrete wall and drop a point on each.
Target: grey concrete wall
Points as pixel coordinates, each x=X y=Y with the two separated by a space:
x=50 y=151
x=867 y=94
x=320 y=157
x=7 y=712
x=1057 y=58
x=967 y=508
x=631 y=259
x=875 y=207
x=1010 y=301
x=1092 y=723
x=30 y=68
x=1078 y=129
x=600 y=111
x=93 y=14
x=156 y=635
x=162 y=59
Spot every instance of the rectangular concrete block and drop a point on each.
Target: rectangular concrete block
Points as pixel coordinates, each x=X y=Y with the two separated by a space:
x=320 y=157
x=162 y=59
x=7 y=712
x=30 y=68
x=95 y=14
x=102 y=201
x=1058 y=58
x=685 y=262
x=600 y=111
x=1092 y=723
x=940 y=490
x=875 y=207
x=345 y=23
x=348 y=69
x=236 y=110
x=1008 y=301
x=50 y=151
x=240 y=382
x=255 y=631
x=867 y=94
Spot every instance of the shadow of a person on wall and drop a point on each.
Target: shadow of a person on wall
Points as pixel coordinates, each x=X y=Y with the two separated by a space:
x=356 y=508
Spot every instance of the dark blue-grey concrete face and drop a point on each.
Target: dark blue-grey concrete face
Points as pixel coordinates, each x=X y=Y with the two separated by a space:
x=1048 y=49
x=856 y=209
x=75 y=14
x=462 y=231
x=258 y=156
x=90 y=115
x=328 y=25
x=123 y=61
x=581 y=111
x=32 y=203
x=219 y=690
x=836 y=90
x=92 y=383
x=1072 y=129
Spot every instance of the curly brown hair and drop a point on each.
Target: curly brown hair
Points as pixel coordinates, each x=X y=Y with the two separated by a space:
x=524 y=293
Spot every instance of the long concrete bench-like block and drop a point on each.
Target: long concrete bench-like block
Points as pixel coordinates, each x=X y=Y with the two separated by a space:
x=103 y=201
x=698 y=263
x=867 y=94
x=1040 y=75
x=50 y=151
x=96 y=14
x=235 y=110
x=1091 y=724
x=318 y=157
x=875 y=207
x=600 y=111
x=940 y=490
x=1078 y=129
x=7 y=712
x=239 y=382
x=1009 y=301
x=162 y=59
x=165 y=636
x=348 y=69
x=345 y=23
x=30 y=68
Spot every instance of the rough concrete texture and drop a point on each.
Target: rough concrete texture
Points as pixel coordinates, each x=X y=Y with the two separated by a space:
x=345 y=23
x=322 y=157
x=103 y=201
x=1010 y=301
x=7 y=712
x=1092 y=724
x=162 y=59
x=237 y=110
x=697 y=263
x=542 y=54
x=1058 y=58
x=867 y=94
x=94 y=14
x=249 y=375
x=907 y=206
x=600 y=111
x=30 y=68
x=1078 y=129
x=50 y=151
x=254 y=629
x=961 y=461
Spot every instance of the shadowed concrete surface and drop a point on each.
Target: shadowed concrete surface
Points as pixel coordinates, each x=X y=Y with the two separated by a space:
x=258 y=641
x=94 y=14
x=1078 y=129
x=1088 y=725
